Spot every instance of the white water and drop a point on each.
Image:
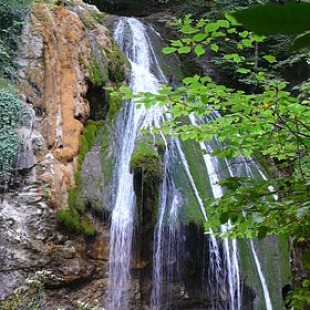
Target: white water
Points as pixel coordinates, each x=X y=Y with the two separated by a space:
x=165 y=252
x=241 y=165
x=215 y=258
x=230 y=248
x=262 y=278
x=139 y=54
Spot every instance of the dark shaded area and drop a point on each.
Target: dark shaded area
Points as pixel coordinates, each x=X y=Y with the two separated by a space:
x=96 y=95
x=136 y=8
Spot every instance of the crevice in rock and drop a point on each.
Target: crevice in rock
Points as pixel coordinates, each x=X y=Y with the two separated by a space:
x=96 y=95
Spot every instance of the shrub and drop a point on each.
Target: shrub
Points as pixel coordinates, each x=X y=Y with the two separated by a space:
x=12 y=16
x=10 y=120
x=70 y=218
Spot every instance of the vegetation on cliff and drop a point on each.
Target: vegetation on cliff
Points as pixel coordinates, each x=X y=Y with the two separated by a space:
x=11 y=110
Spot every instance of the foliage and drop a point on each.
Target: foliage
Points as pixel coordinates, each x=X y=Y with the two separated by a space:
x=96 y=76
x=74 y=223
x=71 y=218
x=300 y=296
x=87 y=226
x=10 y=120
x=290 y=19
x=12 y=17
x=115 y=103
x=268 y=121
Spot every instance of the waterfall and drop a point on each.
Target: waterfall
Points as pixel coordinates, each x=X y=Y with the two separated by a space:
x=220 y=265
x=230 y=252
x=165 y=241
x=249 y=172
x=216 y=282
x=141 y=58
x=242 y=167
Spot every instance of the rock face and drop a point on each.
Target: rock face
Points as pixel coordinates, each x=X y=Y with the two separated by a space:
x=56 y=70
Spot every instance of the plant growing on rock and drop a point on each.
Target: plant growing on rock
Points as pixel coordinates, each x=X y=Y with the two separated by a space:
x=10 y=119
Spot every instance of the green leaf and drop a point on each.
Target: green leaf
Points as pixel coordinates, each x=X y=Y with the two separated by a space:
x=231 y=18
x=189 y=30
x=223 y=23
x=292 y=18
x=257 y=38
x=168 y=50
x=199 y=37
x=243 y=70
x=184 y=50
x=270 y=58
x=234 y=57
x=243 y=34
x=306 y=259
x=232 y=30
x=211 y=27
x=201 y=23
x=224 y=217
x=214 y=47
x=176 y=43
x=262 y=232
x=199 y=50
x=246 y=43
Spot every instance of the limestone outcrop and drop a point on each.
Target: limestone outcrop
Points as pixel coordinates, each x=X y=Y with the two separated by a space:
x=41 y=263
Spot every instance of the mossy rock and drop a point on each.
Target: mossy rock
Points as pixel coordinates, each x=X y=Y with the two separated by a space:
x=70 y=219
x=118 y=65
x=146 y=159
x=115 y=103
x=87 y=227
x=96 y=76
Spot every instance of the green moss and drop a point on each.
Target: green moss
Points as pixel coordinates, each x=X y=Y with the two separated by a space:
x=284 y=260
x=92 y=18
x=96 y=76
x=115 y=103
x=145 y=159
x=107 y=156
x=117 y=65
x=108 y=164
x=71 y=197
x=199 y=173
x=189 y=210
x=147 y=167
x=70 y=219
x=87 y=226
x=273 y=256
x=74 y=223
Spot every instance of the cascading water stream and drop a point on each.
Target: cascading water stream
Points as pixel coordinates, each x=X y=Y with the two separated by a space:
x=230 y=248
x=242 y=167
x=262 y=278
x=139 y=54
x=165 y=240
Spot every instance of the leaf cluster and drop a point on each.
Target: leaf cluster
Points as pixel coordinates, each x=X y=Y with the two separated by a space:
x=10 y=119
x=271 y=122
x=12 y=16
